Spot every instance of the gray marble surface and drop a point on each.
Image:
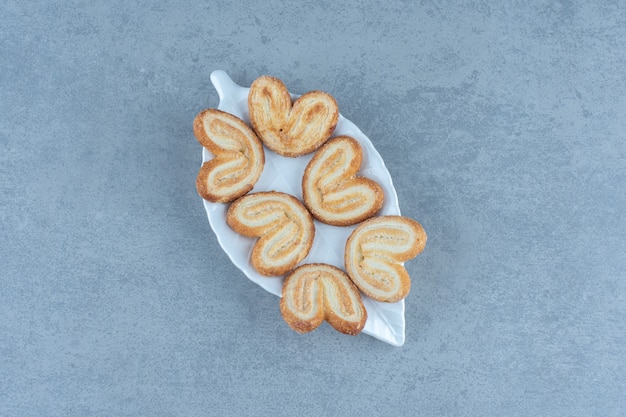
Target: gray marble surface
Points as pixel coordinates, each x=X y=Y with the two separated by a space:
x=503 y=125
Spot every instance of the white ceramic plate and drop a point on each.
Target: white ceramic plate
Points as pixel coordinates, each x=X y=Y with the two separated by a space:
x=385 y=320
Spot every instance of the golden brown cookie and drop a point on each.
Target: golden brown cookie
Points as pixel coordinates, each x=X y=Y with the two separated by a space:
x=313 y=293
x=374 y=254
x=239 y=156
x=283 y=225
x=290 y=128
x=332 y=191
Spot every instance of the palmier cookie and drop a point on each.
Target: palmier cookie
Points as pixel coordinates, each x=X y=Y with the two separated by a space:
x=374 y=254
x=332 y=191
x=313 y=293
x=283 y=225
x=239 y=156
x=290 y=128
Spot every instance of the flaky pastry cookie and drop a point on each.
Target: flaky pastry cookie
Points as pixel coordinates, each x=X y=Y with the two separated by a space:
x=374 y=254
x=283 y=225
x=290 y=128
x=239 y=156
x=332 y=191
x=313 y=293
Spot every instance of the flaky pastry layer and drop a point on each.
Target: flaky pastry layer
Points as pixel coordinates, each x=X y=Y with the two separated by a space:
x=374 y=254
x=283 y=225
x=313 y=293
x=239 y=156
x=332 y=191
x=290 y=128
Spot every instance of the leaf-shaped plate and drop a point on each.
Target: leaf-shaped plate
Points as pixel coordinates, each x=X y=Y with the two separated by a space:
x=385 y=320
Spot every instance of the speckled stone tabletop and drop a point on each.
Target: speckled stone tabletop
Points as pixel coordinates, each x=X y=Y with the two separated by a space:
x=503 y=125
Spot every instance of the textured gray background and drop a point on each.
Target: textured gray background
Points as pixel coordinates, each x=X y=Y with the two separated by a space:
x=503 y=125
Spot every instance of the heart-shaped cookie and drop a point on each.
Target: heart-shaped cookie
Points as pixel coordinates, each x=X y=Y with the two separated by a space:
x=283 y=225
x=332 y=191
x=239 y=156
x=313 y=293
x=290 y=128
x=374 y=254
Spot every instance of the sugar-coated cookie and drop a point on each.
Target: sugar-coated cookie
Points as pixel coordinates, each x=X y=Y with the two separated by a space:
x=313 y=293
x=290 y=128
x=283 y=225
x=239 y=156
x=332 y=191
x=374 y=254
